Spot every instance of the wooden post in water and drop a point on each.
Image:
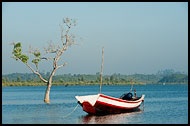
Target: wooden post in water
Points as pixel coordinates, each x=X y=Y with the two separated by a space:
x=101 y=69
x=131 y=86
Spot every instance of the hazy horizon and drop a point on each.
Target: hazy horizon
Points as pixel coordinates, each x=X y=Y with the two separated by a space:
x=138 y=37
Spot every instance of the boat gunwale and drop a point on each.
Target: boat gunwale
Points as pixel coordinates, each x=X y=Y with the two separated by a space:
x=121 y=100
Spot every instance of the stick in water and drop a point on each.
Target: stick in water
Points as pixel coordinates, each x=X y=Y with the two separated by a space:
x=101 y=68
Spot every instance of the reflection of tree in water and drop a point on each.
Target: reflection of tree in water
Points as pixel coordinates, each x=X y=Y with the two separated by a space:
x=110 y=118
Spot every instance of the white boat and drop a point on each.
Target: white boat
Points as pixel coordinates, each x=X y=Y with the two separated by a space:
x=103 y=104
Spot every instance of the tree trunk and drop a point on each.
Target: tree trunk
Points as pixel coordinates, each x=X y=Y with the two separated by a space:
x=46 y=99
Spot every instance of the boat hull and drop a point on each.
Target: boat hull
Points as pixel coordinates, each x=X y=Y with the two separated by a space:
x=102 y=104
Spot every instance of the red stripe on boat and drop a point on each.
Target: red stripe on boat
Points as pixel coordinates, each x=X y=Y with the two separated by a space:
x=115 y=106
x=118 y=99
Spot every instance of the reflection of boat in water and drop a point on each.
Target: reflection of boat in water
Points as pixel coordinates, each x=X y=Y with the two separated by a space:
x=103 y=104
x=111 y=118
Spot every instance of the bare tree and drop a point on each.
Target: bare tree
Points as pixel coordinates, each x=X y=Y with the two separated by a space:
x=67 y=39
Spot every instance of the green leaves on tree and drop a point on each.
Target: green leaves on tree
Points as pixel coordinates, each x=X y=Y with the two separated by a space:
x=17 y=52
x=35 y=61
x=24 y=58
x=37 y=54
x=18 y=45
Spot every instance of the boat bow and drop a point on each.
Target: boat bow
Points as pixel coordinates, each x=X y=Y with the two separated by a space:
x=88 y=98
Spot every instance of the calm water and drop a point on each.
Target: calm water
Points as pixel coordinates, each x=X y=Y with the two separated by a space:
x=164 y=104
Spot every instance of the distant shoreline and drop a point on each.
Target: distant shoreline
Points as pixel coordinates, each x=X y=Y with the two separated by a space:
x=21 y=84
x=30 y=79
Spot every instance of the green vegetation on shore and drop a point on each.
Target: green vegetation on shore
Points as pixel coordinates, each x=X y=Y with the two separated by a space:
x=163 y=77
x=9 y=84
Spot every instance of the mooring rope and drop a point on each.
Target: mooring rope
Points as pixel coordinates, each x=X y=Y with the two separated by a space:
x=143 y=105
x=71 y=112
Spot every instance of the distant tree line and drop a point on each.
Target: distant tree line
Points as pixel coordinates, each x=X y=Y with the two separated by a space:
x=166 y=76
x=174 y=78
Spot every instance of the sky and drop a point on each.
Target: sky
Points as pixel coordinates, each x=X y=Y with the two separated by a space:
x=137 y=37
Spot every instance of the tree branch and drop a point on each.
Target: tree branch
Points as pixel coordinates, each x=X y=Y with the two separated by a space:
x=61 y=66
x=44 y=58
x=37 y=73
x=37 y=68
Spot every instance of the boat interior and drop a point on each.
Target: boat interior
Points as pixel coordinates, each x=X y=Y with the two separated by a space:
x=129 y=97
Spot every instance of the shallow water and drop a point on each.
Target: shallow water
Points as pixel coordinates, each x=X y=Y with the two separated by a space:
x=164 y=104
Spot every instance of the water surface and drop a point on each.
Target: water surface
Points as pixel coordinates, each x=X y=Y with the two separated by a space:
x=164 y=104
